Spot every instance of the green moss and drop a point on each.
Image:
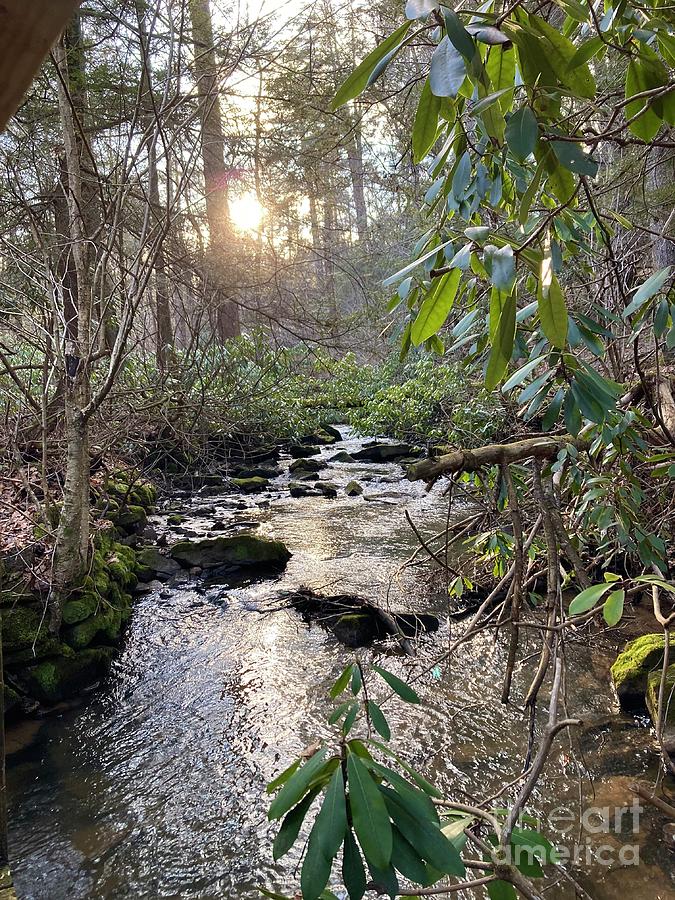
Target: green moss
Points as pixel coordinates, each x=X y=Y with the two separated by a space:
x=23 y=627
x=237 y=550
x=652 y=694
x=630 y=672
x=175 y=519
x=250 y=485
x=58 y=679
x=104 y=626
x=78 y=610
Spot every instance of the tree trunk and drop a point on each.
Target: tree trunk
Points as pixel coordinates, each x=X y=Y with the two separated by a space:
x=215 y=172
x=355 y=162
x=72 y=540
x=662 y=206
x=164 y=329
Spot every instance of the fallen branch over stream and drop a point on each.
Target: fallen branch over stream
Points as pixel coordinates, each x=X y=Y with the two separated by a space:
x=492 y=454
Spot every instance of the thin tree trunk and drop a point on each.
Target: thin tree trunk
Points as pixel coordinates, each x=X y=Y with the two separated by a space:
x=215 y=173
x=662 y=206
x=355 y=163
x=162 y=311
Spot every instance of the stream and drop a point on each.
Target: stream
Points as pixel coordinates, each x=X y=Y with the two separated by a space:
x=154 y=787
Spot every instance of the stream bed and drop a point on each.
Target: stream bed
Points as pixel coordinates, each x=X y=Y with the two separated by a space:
x=154 y=787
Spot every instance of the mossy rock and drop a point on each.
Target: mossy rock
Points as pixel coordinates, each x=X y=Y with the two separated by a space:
x=355 y=629
x=379 y=453
x=82 y=608
x=298 y=489
x=122 y=565
x=353 y=489
x=105 y=626
x=301 y=451
x=326 y=489
x=342 y=456
x=301 y=466
x=131 y=519
x=23 y=627
x=55 y=680
x=237 y=551
x=652 y=695
x=20 y=659
x=156 y=564
x=322 y=436
x=258 y=472
x=175 y=519
x=250 y=485
x=631 y=670
x=332 y=431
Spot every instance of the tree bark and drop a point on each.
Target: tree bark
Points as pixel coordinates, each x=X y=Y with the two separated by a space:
x=215 y=172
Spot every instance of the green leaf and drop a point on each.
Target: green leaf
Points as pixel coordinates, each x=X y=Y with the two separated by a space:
x=501 y=264
x=331 y=822
x=645 y=73
x=586 y=51
x=426 y=122
x=501 y=890
x=315 y=869
x=357 y=681
x=521 y=133
x=574 y=158
x=290 y=827
x=501 y=70
x=613 y=608
x=338 y=713
x=350 y=718
x=553 y=313
x=426 y=837
x=406 y=859
x=647 y=290
x=588 y=598
x=502 y=346
x=521 y=374
x=448 y=70
x=341 y=682
x=404 y=690
x=353 y=873
x=436 y=307
x=559 y=53
x=283 y=778
x=297 y=786
x=379 y=721
x=357 y=81
x=459 y=36
x=369 y=814
x=419 y=780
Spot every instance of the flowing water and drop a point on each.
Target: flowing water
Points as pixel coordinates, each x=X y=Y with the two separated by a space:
x=154 y=787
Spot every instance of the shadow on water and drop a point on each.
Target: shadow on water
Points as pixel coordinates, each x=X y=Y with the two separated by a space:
x=154 y=788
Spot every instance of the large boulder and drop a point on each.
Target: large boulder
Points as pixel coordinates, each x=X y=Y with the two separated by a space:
x=353 y=489
x=236 y=551
x=299 y=489
x=301 y=451
x=257 y=472
x=156 y=564
x=332 y=431
x=379 y=453
x=633 y=666
x=342 y=457
x=250 y=485
x=304 y=466
x=60 y=679
x=326 y=489
x=322 y=436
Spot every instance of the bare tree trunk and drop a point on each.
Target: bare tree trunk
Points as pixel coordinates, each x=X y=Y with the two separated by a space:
x=662 y=206
x=72 y=541
x=215 y=173
x=355 y=163
x=164 y=329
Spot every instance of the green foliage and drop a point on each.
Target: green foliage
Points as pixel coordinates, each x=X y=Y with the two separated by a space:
x=378 y=818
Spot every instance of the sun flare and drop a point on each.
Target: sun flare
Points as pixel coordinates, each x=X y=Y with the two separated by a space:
x=247 y=212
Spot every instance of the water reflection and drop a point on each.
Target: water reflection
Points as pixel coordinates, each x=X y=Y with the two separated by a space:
x=155 y=788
